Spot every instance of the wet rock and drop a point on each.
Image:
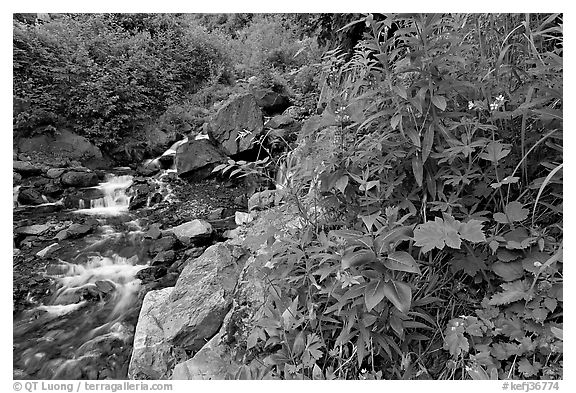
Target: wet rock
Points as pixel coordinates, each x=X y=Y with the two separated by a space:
x=79 y=179
x=30 y=196
x=163 y=258
x=77 y=230
x=190 y=231
x=37 y=229
x=16 y=178
x=151 y=273
x=163 y=244
x=196 y=159
x=52 y=190
x=105 y=286
x=270 y=101
x=236 y=124
x=48 y=250
x=53 y=173
x=153 y=232
x=26 y=168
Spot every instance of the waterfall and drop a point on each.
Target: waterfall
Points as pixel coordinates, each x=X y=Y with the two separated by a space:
x=114 y=202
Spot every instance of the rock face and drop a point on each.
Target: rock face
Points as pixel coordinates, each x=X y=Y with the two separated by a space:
x=150 y=354
x=237 y=123
x=175 y=320
x=79 y=179
x=64 y=144
x=270 y=101
x=195 y=159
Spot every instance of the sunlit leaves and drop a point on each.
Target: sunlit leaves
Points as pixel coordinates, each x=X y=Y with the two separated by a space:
x=494 y=152
x=399 y=294
x=447 y=231
x=513 y=212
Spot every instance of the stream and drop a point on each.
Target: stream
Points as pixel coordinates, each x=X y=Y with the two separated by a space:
x=84 y=329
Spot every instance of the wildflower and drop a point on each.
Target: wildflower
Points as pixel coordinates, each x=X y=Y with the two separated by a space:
x=498 y=102
x=470 y=105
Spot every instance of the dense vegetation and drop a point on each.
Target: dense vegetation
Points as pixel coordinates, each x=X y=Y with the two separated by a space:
x=430 y=185
x=432 y=193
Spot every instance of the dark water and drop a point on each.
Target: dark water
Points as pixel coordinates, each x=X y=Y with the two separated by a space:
x=84 y=330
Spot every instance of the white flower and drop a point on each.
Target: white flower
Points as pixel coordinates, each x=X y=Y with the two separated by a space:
x=470 y=105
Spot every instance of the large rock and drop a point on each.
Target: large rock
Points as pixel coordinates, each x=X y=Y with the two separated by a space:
x=270 y=101
x=26 y=168
x=151 y=355
x=190 y=230
x=195 y=159
x=79 y=179
x=202 y=296
x=237 y=123
x=216 y=359
x=64 y=144
x=180 y=319
x=30 y=196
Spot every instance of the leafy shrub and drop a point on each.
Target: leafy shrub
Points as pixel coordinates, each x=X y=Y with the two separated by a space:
x=425 y=180
x=105 y=80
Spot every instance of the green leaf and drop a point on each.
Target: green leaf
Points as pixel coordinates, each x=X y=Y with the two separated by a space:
x=357 y=258
x=427 y=142
x=401 y=261
x=472 y=231
x=467 y=263
x=494 y=152
x=516 y=212
x=508 y=271
x=386 y=240
x=437 y=234
x=439 y=102
x=341 y=183
x=418 y=170
x=399 y=294
x=373 y=294
x=454 y=340
x=527 y=368
x=513 y=291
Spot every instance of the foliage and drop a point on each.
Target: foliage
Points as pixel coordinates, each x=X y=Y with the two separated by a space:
x=104 y=75
x=421 y=189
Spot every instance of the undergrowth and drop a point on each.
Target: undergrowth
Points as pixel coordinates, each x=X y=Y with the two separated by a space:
x=432 y=191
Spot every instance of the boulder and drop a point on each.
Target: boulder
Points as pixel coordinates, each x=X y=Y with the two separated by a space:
x=177 y=320
x=195 y=159
x=35 y=230
x=63 y=145
x=191 y=230
x=163 y=244
x=26 y=168
x=53 y=173
x=30 y=196
x=16 y=178
x=153 y=232
x=79 y=179
x=236 y=124
x=151 y=354
x=270 y=101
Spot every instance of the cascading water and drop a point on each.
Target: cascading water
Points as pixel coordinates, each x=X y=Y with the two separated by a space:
x=114 y=202
x=84 y=330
